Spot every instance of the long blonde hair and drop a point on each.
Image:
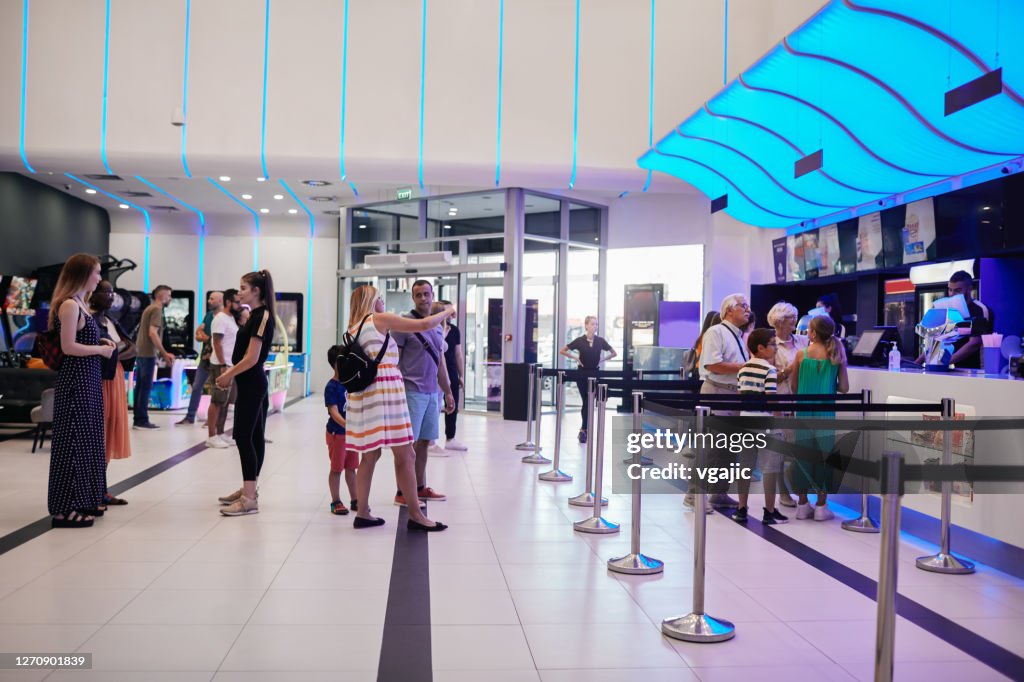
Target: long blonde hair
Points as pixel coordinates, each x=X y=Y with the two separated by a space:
x=360 y=304
x=74 y=277
x=824 y=330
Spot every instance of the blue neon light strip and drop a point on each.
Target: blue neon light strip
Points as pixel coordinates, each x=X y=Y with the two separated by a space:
x=106 y=82
x=184 y=92
x=650 y=101
x=344 y=95
x=501 y=67
x=24 y=84
x=202 y=225
x=255 y=217
x=354 y=190
x=145 y=213
x=309 y=270
x=263 y=115
x=575 y=99
x=423 y=75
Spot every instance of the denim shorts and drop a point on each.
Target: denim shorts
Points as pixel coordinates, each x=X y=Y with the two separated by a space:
x=424 y=411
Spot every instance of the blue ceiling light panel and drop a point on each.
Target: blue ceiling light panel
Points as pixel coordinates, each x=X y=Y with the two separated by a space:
x=864 y=83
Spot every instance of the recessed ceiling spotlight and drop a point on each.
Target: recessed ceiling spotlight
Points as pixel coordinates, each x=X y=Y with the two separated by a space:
x=90 y=191
x=278 y=197
x=321 y=198
x=986 y=222
x=362 y=227
x=447 y=227
x=986 y=208
x=315 y=183
x=597 y=239
x=261 y=179
x=123 y=206
x=247 y=196
x=264 y=210
x=293 y=211
x=225 y=178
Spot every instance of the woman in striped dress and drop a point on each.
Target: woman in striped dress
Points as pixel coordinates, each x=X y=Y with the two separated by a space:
x=378 y=417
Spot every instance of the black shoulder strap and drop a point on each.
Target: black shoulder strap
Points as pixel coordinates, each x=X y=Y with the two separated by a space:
x=743 y=352
x=426 y=345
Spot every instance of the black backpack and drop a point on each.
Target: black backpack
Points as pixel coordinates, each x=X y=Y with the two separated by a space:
x=356 y=370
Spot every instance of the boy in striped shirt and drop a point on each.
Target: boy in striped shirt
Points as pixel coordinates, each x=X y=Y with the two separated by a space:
x=759 y=377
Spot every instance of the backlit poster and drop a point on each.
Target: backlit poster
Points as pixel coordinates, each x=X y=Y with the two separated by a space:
x=779 y=253
x=869 y=242
x=794 y=258
x=812 y=257
x=918 y=230
x=828 y=251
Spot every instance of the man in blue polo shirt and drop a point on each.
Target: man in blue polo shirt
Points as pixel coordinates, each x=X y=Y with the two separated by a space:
x=421 y=362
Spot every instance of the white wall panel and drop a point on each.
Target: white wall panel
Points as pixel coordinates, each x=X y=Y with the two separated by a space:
x=65 y=78
x=304 y=88
x=10 y=76
x=382 y=112
x=536 y=140
x=146 y=73
x=461 y=91
x=128 y=244
x=225 y=87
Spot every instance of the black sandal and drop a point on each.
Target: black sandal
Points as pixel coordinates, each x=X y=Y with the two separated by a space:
x=94 y=512
x=75 y=519
x=110 y=500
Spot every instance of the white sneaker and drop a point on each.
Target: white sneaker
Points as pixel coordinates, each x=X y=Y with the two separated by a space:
x=688 y=501
x=228 y=442
x=216 y=442
x=804 y=511
x=436 y=450
x=787 y=500
x=452 y=444
x=823 y=513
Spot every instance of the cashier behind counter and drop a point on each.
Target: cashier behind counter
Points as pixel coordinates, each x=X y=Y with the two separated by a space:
x=967 y=349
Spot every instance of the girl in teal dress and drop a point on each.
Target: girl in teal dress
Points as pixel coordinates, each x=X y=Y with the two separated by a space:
x=820 y=368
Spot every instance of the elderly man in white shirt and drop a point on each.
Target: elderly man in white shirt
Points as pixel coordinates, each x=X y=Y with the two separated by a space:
x=721 y=357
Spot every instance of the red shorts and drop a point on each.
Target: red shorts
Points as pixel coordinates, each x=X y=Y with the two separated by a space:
x=341 y=458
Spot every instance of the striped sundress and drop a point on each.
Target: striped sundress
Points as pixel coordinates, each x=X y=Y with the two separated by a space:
x=378 y=417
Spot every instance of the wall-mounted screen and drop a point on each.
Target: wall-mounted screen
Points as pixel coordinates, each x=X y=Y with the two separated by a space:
x=288 y=307
x=179 y=322
x=18 y=296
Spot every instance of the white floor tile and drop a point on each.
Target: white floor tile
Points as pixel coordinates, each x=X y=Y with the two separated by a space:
x=305 y=648
x=479 y=647
x=928 y=671
x=472 y=607
x=755 y=644
x=854 y=641
x=538 y=607
x=184 y=607
x=604 y=645
x=190 y=575
x=104 y=575
x=824 y=672
x=351 y=606
x=68 y=606
x=160 y=647
x=647 y=674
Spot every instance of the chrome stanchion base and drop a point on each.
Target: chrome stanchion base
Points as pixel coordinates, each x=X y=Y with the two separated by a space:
x=636 y=564
x=944 y=563
x=535 y=458
x=698 y=627
x=528 y=445
x=593 y=525
x=644 y=461
x=556 y=476
x=862 y=525
x=586 y=500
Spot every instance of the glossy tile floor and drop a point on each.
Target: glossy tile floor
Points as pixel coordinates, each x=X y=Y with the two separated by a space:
x=167 y=589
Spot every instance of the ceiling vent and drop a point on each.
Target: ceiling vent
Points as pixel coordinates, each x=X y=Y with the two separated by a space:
x=315 y=183
x=323 y=198
x=102 y=176
x=332 y=212
x=135 y=195
x=164 y=208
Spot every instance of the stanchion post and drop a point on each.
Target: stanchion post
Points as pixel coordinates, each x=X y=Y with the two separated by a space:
x=638 y=425
x=888 y=563
x=636 y=563
x=944 y=561
x=555 y=475
x=528 y=444
x=538 y=395
x=597 y=524
x=698 y=626
x=586 y=498
x=863 y=522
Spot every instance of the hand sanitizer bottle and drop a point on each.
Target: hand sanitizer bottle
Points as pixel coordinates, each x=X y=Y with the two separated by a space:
x=894 y=358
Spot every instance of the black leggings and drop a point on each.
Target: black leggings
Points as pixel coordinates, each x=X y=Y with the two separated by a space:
x=250 y=423
x=581 y=384
x=449 y=419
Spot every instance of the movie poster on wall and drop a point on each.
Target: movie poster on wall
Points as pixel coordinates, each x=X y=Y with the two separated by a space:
x=795 y=258
x=828 y=251
x=779 y=251
x=812 y=255
x=918 y=230
x=869 y=242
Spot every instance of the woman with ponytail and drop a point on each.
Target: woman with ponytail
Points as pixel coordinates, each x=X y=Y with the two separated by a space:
x=252 y=345
x=820 y=368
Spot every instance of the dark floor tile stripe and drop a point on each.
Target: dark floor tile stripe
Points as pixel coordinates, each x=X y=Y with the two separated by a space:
x=405 y=652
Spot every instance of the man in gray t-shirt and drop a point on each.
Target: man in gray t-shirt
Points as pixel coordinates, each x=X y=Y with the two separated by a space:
x=421 y=362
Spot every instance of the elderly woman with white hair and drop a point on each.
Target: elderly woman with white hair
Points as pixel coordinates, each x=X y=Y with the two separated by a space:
x=783 y=318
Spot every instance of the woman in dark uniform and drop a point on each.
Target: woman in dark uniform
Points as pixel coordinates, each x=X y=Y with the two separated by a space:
x=590 y=353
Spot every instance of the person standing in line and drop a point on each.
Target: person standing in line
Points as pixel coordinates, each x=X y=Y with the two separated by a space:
x=342 y=459
x=378 y=416
x=783 y=317
x=115 y=391
x=252 y=345
x=590 y=352
x=421 y=363
x=223 y=332
x=148 y=345
x=456 y=364
x=214 y=303
x=77 y=481
x=830 y=303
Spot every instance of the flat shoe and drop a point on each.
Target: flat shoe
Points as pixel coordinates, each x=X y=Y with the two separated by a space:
x=360 y=522
x=413 y=525
x=115 y=501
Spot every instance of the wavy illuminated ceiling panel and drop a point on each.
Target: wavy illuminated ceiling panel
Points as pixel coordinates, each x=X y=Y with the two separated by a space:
x=865 y=82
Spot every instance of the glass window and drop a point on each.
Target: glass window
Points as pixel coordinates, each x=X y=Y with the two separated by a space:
x=467 y=215
x=540 y=288
x=542 y=216
x=584 y=224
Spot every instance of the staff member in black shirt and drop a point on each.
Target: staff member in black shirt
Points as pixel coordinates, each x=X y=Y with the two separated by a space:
x=590 y=353
x=252 y=345
x=967 y=349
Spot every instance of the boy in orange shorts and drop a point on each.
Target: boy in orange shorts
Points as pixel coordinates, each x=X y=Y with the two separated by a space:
x=342 y=459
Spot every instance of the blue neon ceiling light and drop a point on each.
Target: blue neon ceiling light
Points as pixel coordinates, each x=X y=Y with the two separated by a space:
x=106 y=82
x=575 y=99
x=650 y=104
x=309 y=272
x=423 y=80
x=877 y=114
x=344 y=94
x=501 y=70
x=263 y=114
x=255 y=217
x=184 y=90
x=24 y=84
x=145 y=214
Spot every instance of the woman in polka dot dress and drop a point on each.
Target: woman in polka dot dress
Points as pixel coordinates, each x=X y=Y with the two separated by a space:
x=77 y=462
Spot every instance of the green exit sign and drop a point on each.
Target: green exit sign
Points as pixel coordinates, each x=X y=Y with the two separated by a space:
x=404 y=194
